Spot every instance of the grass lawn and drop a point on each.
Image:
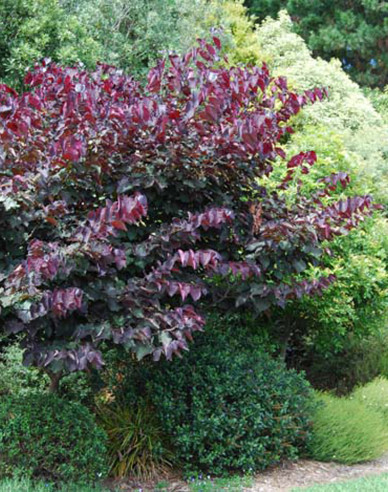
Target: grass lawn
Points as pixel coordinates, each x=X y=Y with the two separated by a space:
x=378 y=483
x=232 y=484
x=26 y=485
x=229 y=484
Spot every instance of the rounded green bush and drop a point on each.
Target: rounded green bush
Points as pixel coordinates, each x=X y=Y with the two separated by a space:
x=347 y=431
x=231 y=409
x=47 y=437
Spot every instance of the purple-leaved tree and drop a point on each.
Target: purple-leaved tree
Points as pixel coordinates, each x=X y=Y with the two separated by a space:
x=122 y=206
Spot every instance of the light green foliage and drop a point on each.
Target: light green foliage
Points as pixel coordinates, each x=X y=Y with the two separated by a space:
x=130 y=35
x=237 y=30
x=347 y=111
x=347 y=431
x=33 y=29
x=369 y=149
x=379 y=99
x=368 y=484
x=133 y=35
x=347 y=107
x=334 y=155
x=136 y=443
x=357 y=302
x=348 y=133
x=375 y=396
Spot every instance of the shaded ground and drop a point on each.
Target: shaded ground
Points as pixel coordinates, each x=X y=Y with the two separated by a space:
x=283 y=478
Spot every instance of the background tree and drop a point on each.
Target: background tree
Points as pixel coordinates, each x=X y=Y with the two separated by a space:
x=355 y=32
x=134 y=35
x=129 y=35
x=33 y=29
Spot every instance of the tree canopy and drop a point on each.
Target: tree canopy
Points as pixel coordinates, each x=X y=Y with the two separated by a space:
x=120 y=201
x=354 y=31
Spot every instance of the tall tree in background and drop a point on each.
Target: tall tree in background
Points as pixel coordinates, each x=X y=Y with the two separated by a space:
x=33 y=29
x=133 y=34
x=355 y=31
x=130 y=35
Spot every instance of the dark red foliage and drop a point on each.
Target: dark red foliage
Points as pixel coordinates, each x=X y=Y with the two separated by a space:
x=122 y=205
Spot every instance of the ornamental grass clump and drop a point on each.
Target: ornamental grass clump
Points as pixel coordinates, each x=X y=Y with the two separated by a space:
x=375 y=396
x=347 y=431
x=137 y=445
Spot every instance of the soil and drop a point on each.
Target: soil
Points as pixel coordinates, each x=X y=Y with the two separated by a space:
x=305 y=473
x=283 y=478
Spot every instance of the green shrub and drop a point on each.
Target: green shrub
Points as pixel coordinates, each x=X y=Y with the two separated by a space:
x=357 y=302
x=47 y=437
x=136 y=442
x=240 y=41
x=130 y=35
x=375 y=396
x=341 y=339
x=347 y=431
x=18 y=380
x=133 y=34
x=379 y=99
x=233 y=408
x=125 y=379
x=361 y=359
x=288 y=55
x=354 y=308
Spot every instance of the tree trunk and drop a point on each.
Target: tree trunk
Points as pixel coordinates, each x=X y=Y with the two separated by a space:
x=286 y=335
x=55 y=378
